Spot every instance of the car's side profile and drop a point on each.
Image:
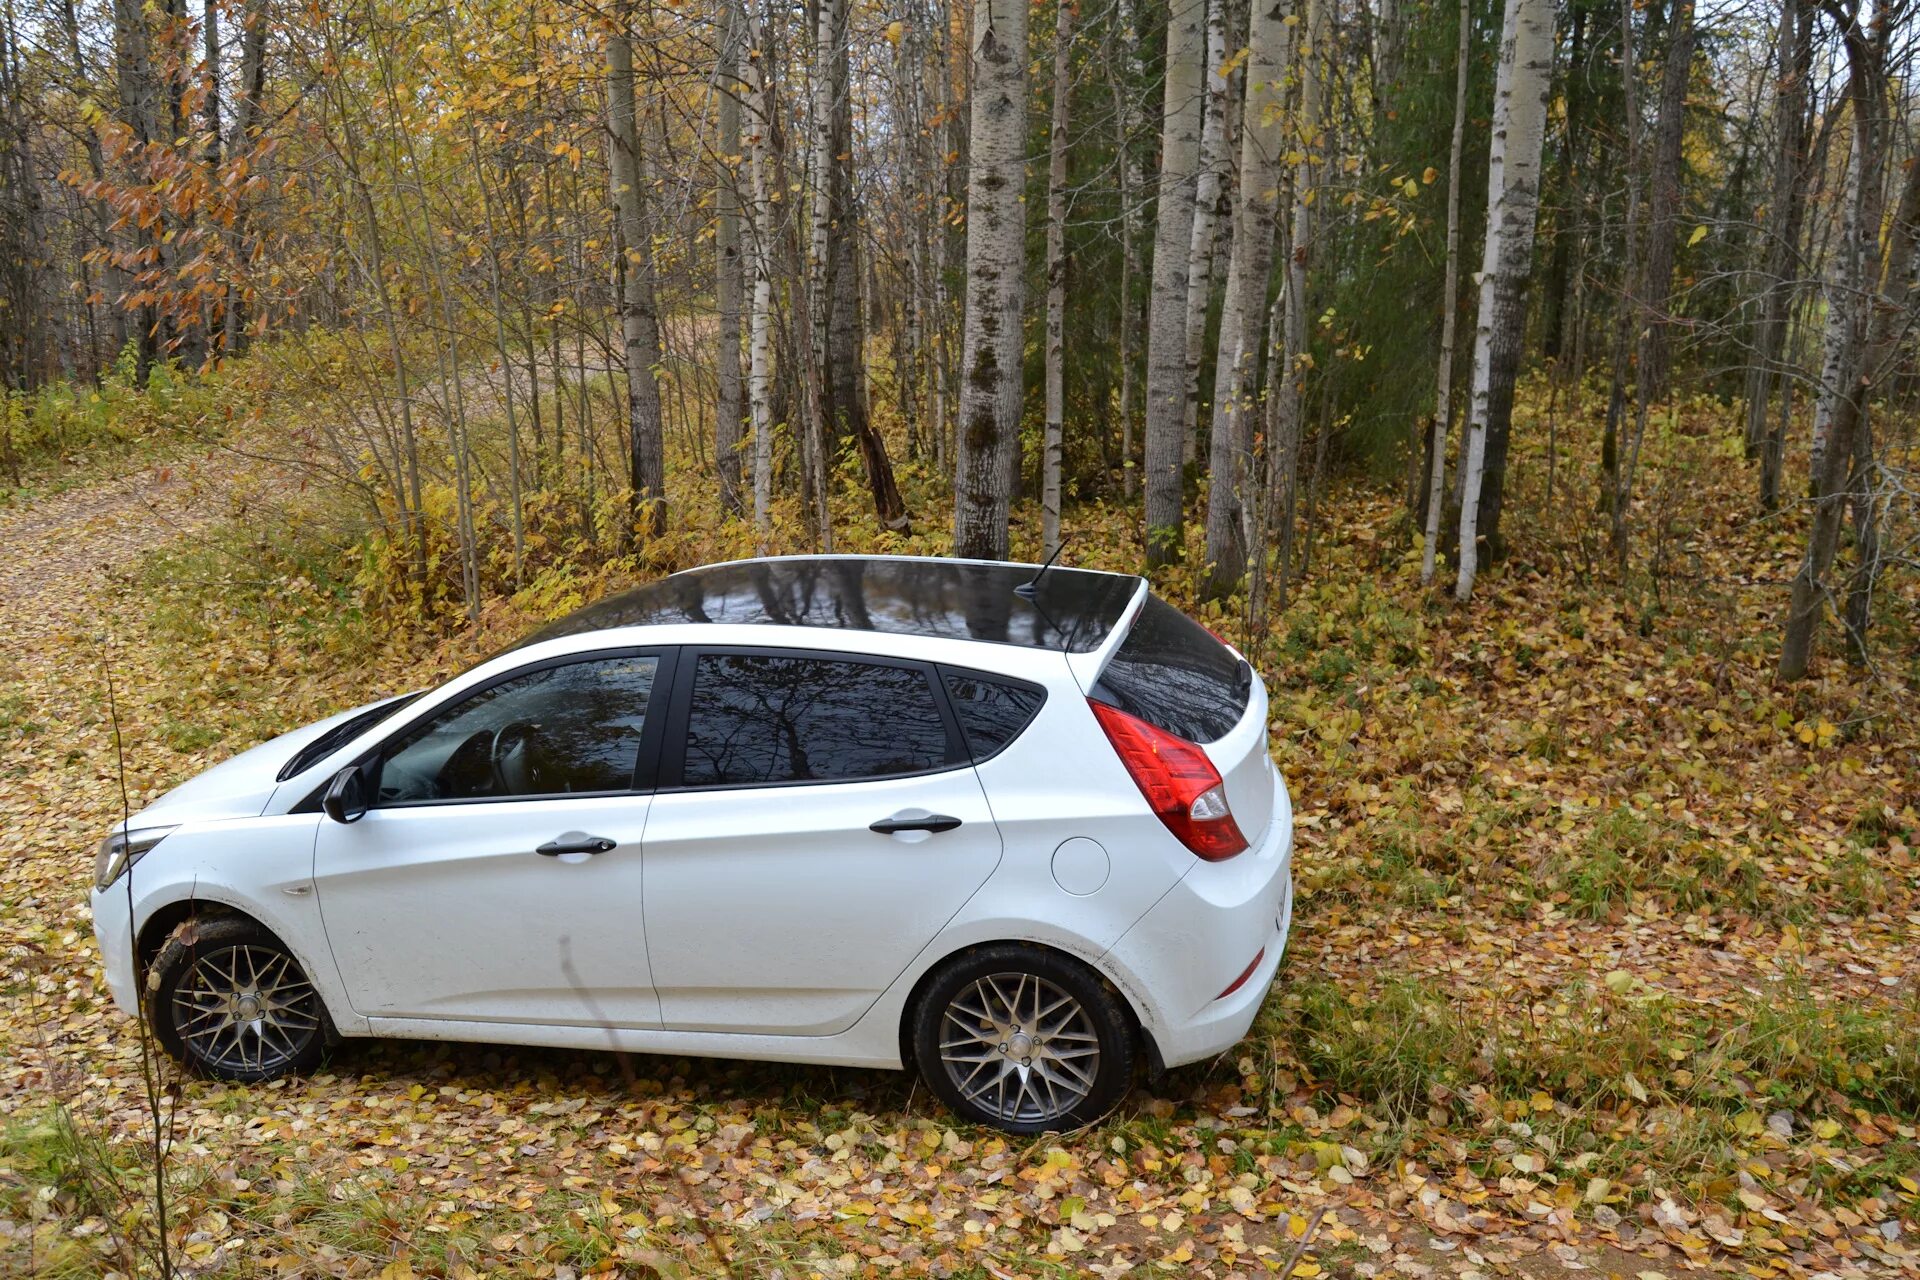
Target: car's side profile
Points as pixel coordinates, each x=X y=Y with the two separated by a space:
x=1019 y=828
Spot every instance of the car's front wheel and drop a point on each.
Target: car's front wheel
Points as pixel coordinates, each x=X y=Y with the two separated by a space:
x=228 y=999
x=1023 y=1039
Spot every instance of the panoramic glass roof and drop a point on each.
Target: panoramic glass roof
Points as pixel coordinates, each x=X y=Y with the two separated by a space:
x=1073 y=609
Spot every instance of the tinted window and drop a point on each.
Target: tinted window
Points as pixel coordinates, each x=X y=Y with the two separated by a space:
x=756 y=720
x=992 y=712
x=1172 y=673
x=557 y=731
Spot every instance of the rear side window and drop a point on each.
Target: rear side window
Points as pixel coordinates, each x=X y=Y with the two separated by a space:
x=755 y=720
x=992 y=712
x=1172 y=673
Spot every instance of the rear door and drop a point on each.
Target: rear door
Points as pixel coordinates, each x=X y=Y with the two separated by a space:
x=817 y=824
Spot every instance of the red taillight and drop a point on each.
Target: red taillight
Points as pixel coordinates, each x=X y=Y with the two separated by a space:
x=1245 y=973
x=1180 y=783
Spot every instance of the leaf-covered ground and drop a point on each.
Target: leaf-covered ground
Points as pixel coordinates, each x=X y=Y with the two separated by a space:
x=1605 y=957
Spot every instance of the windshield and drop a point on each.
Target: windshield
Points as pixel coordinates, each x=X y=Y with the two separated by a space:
x=341 y=734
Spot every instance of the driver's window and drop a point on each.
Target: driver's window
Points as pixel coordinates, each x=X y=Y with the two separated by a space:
x=562 y=730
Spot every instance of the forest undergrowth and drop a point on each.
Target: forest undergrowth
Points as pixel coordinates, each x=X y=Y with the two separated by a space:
x=1606 y=939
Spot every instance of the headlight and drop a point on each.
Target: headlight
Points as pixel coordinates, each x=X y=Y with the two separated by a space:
x=122 y=849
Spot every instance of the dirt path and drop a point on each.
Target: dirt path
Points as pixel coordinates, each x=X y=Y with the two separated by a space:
x=64 y=546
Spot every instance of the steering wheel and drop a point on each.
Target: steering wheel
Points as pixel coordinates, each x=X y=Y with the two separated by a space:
x=512 y=756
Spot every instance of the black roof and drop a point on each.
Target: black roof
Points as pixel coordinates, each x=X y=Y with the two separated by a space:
x=1072 y=609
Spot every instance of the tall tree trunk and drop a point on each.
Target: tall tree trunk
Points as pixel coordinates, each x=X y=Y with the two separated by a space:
x=1450 y=299
x=762 y=236
x=113 y=278
x=1236 y=369
x=846 y=319
x=1126 y=116
x=240 y=150
x=1286 y=386
x=813 y=310
x=1054 y=446
x=1845 y=375
x=1167 y=308
x=1892 y=317
x=1785 y=212
x=729 y=281
x=1513 y=200
x=1656 y=283
x=1568 y=219
x=991 y=383
x=1627 y=315
x=1209 y=204
x=139 y=94
x=639 y=321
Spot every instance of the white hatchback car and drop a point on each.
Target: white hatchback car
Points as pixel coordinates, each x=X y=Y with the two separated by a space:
x=1018 y=827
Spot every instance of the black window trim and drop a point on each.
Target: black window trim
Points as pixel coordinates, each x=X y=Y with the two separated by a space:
x=992 y=677
x=672 y=763
x=646 y=766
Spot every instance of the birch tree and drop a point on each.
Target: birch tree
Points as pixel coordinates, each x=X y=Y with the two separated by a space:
x=729 y=278
x=1846 y=376
x=990 y=382
x=1236 y=370
x=1513 y=201
x=1167 y=308
x=1054 y=445
x=1210 y=194
x=639 y=321
x=1450 y=300
x=760 y=269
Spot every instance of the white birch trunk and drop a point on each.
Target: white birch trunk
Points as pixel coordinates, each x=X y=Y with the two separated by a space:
x=1055 y=443
x=1167 y=308
x=820 y=166
x=760 y=312
x=1236 y=369
x=1209 y=201
x=990 y=379
x=1513 y=201
x=1443 y=376
x=727 y=265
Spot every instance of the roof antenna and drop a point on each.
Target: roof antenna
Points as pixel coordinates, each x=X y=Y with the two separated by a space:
x=1031 y=587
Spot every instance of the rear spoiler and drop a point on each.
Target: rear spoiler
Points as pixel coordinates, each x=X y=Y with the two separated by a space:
x=1086 y=667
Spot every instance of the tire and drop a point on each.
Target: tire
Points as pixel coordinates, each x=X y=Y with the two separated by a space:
x=228 y=1000
x=971 y=1034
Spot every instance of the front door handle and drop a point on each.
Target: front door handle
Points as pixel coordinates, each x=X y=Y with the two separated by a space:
x=575 y=842
x=914 y=820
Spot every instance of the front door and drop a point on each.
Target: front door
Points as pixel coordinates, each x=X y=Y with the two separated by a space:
x=498 y=875
x=773 y=904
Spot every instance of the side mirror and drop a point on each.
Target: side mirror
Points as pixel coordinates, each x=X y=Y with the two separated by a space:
x=346 y=798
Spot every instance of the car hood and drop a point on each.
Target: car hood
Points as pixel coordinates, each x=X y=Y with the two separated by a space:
x=240 y=787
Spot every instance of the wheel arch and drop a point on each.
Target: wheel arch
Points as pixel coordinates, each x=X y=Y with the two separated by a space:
x=1142 y=1032
x=159 y=926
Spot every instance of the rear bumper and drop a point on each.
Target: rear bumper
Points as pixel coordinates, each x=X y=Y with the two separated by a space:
x=1201 y=936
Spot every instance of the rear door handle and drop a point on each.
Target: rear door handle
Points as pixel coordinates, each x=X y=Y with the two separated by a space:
x=574 y=842
x=914 y=820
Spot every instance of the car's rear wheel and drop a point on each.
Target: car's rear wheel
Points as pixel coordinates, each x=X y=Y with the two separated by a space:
x=228 y=999
x=1023 y=1039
